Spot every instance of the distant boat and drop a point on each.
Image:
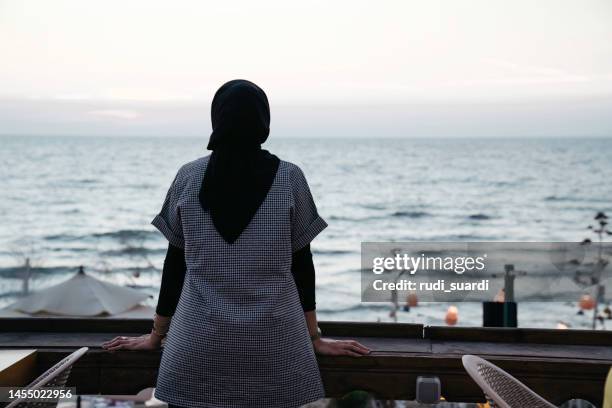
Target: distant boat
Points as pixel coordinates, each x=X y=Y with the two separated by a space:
x=82 y=296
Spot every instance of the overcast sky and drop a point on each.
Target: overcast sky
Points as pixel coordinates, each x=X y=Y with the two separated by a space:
x=414 y=68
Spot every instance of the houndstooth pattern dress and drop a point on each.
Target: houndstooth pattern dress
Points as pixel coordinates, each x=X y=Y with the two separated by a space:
x=239 y=336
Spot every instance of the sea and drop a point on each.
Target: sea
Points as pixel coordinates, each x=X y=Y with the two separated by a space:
x=68 y=201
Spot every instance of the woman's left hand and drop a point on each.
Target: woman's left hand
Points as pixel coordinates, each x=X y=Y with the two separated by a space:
x=331 y=347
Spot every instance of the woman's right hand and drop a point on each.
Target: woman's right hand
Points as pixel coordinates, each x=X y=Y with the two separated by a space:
x=331 y=347
x=145 y=342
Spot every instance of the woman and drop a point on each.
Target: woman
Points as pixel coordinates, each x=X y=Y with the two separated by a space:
x=239 y=224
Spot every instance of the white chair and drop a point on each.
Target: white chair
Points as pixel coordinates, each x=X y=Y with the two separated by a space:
x=56 y=376
x=500 y=388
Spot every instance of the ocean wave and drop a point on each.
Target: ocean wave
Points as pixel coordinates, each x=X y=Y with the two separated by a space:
x=61 y=237
x=558 y=198
x=126 y=234
x=411 y=214
x=456 y=237
x=332 y=252
x=134 y=251
x=555 y=198
x=354 y=219
x=69 y=249
x=504 y=183
x=479 y=217
x=396 y=214
x=122 y=235
x=357 y=307
x=473 y=237
x=142 y=186
x=341 y=218
x=372 y=206
x=16 y=272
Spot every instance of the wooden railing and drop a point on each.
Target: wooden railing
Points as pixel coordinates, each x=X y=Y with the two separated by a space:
x=557 y=364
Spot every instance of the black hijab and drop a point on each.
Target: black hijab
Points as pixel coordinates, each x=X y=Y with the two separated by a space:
x=239 y=173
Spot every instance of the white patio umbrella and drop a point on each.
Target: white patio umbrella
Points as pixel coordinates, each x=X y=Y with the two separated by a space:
x=81 y=295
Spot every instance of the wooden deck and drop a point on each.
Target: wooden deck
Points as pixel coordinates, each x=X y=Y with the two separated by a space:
x=558 y=364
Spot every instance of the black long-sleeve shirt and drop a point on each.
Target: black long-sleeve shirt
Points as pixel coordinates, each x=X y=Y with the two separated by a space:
x=173 y=277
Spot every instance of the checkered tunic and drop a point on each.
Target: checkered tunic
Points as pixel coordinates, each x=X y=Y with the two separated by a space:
x=239 y=336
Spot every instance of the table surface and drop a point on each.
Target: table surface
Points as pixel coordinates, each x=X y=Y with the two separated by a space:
x=380 y=346
x=17 y=366
x=8 y=358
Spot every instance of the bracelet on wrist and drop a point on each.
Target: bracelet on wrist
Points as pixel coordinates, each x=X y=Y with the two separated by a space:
x=317 y=336
x=156 y=333
x=161 y=324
